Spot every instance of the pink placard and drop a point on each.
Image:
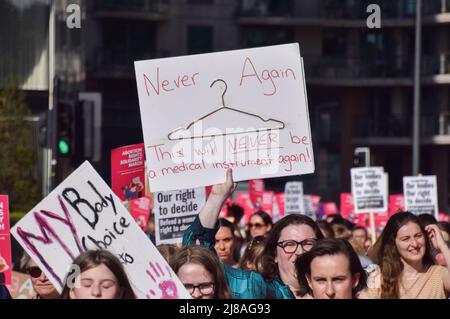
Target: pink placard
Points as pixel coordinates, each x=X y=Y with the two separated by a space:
x=5 y=242
x=140 y=210
x=256 y=190
x=128 y=171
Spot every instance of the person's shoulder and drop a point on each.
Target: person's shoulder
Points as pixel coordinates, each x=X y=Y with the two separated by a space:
x=437 y=269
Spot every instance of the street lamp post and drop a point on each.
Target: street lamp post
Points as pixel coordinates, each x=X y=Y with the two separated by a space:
x=416 y=113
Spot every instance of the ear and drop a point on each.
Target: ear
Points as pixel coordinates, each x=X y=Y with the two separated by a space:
x=269 y=227
x=71 y=294
x=355 y=280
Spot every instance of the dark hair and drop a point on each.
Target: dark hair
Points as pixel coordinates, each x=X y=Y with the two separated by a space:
x=235 y=211
x=323 y=225
x=167 y=251
x=330 y=246
x=252 y=254
x=269 y=268
x=444 y=226
x=388 y=256
x=93 y=258
x=202 y=256
x=264 y=216
x=226 y=223
x=427 y=219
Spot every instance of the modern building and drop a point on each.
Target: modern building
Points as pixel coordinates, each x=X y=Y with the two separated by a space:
x=359 y=80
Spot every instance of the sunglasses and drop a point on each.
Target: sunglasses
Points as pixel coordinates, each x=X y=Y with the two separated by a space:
x=34 y=272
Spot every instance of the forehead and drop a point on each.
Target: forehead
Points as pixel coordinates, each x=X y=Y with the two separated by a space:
x=256 y=219
x=408 y=229
x=223 y=232
x=359 y=232
x=297 y=232
x=194 y=273
x=332 y=265
x=100 y=272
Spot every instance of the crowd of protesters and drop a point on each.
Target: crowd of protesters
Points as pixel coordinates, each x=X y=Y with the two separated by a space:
x=296 y=257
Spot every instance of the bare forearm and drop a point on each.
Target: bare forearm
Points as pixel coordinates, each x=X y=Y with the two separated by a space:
x=209 y=214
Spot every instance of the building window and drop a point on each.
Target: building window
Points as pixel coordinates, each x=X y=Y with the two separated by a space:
x=256 y=37
x=335 y=43
x=200 y=39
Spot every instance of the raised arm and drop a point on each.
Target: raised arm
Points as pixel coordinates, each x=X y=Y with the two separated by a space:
x=438 y=242
x=209 y=214
x=205 y=226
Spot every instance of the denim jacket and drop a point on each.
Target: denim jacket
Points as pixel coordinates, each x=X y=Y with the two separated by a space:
x=243 y=284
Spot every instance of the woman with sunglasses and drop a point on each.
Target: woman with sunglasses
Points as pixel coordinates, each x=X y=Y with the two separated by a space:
x=290 y=237
x=260 y=224
x=200 y=272
x=43 y=288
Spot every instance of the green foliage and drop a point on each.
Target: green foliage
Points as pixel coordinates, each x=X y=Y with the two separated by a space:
x=17 y=152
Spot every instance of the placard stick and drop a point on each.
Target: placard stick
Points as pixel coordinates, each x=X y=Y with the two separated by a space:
x=373 y=231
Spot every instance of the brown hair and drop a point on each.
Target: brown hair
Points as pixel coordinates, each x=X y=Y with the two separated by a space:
x=93 y=258
x=389 y=258
x=330 y=247
x=202 y=256
x=269 y=268
x=167 y=251
x=252 y=254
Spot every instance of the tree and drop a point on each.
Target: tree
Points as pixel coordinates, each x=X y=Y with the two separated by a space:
x=18 y=177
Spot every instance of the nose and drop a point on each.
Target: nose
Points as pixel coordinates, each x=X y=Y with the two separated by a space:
x=96 y=291
x=196 y=293
x=299 y=251
x=329 y=291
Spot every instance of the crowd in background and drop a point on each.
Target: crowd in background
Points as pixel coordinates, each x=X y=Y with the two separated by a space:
x=296 y=257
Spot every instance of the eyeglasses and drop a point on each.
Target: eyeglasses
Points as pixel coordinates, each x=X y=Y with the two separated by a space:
x=290 y=246
x=256 y=225
x=206 y=288
x=34 y=272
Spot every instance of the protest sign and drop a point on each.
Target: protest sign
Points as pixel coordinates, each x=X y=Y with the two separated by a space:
x=369 y=189
x=267 y=201
x=396 y=203
x=83 y=213
x=140 y=209
x=242 y=109
x=421 y=195
x=330 y=208
x=174 y=212
x=21 y=286
x=128 y=171
x=309 y=206
x=346 y=205
x=278 y=212
x=293 y=198
x=255 y=190
x=243 y=200
x=5 y=242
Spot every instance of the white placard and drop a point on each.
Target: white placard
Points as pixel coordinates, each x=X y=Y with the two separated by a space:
x=243 y=109
x=293 y=198
x=174 y=212
x=369 y=189
x=309 y=207
x=420 y=194
x=83 y=213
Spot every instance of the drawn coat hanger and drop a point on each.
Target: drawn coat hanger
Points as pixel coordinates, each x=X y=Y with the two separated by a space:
x=279 y=124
